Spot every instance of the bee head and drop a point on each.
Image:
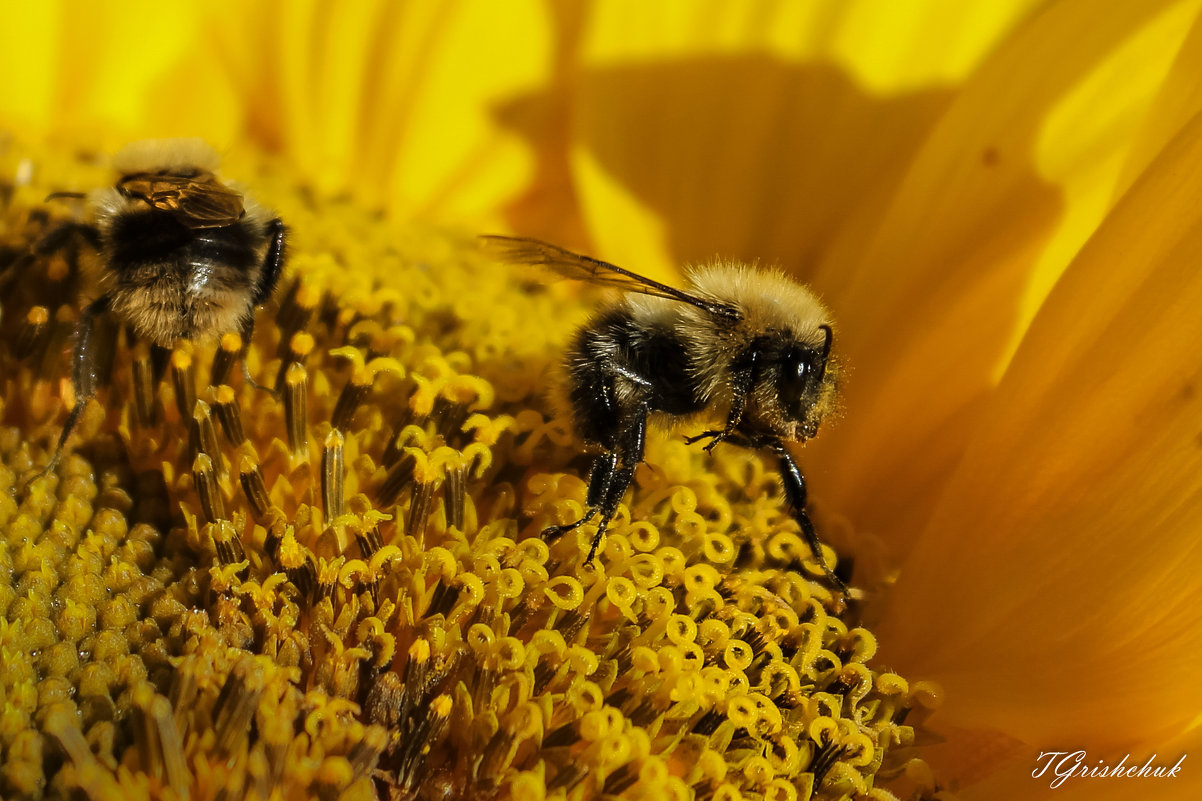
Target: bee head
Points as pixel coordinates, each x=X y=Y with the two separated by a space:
x=796 y=386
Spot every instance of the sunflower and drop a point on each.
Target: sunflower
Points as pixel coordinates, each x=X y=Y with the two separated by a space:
x=343 y=591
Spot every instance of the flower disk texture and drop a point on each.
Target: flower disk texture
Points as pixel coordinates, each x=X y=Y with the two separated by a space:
x=339 y=591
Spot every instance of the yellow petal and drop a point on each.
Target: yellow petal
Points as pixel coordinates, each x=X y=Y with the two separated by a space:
x=1179 y=99
x=112 y=71
x=1054 y=594
x=396 y=103
x=932 y=293
x=436 y=74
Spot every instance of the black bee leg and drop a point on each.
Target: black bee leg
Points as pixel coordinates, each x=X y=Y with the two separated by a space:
x=85 y=363
x=64 y=238
x=269 y=277
x=599 y=480
x=743 y=376
x=273 y=263
x=795 y=491
x=713 y=435
x=631 y=443
x=611 y=476
x=60 y=238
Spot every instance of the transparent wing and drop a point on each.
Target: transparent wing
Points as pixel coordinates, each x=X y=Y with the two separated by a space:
x=565 y=263
x=196 y=201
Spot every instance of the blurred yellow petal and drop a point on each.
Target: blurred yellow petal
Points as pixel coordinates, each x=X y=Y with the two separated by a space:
x=930 y=294
x=112 y=71
x=1087 y=139
x=750 y=129
x=454 y=164
x=1054 y=592
x=394 y=101
x=1180 y=98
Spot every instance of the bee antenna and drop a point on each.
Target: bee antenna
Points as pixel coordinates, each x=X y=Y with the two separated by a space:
x=830 y=338
x=61 y=195
x=826 y=349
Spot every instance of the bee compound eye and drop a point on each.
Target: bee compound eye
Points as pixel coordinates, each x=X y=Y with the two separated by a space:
x=799 y=378
x=795 y=373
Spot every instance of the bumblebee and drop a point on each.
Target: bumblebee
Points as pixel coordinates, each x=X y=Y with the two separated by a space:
x=183 y=256
x=748 y=346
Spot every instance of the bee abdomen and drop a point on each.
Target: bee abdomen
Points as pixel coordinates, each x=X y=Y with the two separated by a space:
x=617 y=361
x=197 y=299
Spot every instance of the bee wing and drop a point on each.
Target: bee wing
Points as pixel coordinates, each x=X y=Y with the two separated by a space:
x=197 y=202
x=209 y=205
x=565 y=263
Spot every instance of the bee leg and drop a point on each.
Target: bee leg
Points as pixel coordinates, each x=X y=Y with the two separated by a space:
x=743 y=377
x=269 y=277
x=273 y=262
x=85 y=363
x=599 y=480
x=611 y=476
x=59 y=239
x=714 y=435
x=795 y=491
x=631 y=443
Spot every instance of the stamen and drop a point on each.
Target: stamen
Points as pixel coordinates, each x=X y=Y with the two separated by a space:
x=332 y=476
x=455 y=492
x=229 y=414
x=228 y=543
x=204 y=434
x=421 y=503
x=397 y=478
x=145 y=408
x=428 y=732
x=299 y=346
x=225 y=358
x=255 y=489
x=351 y=396
x=296 y=409
x=369 y=541
x=366 y=753
x=159 y=740
x=205 y=481
x=236 y=706
x=393 y=450
x=296 y=312
x=183 y=377
x=448 y=418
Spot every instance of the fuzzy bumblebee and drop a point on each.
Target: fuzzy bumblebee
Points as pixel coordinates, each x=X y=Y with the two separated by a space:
x=183 y=256
x=750 y=345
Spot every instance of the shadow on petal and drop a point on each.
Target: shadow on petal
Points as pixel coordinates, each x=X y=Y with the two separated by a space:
x=742 y=156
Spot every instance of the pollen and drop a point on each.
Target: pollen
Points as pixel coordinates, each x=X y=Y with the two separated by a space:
x=329 y=581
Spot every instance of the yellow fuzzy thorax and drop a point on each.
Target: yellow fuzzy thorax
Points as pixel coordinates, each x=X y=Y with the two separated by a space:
x=340 y=591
